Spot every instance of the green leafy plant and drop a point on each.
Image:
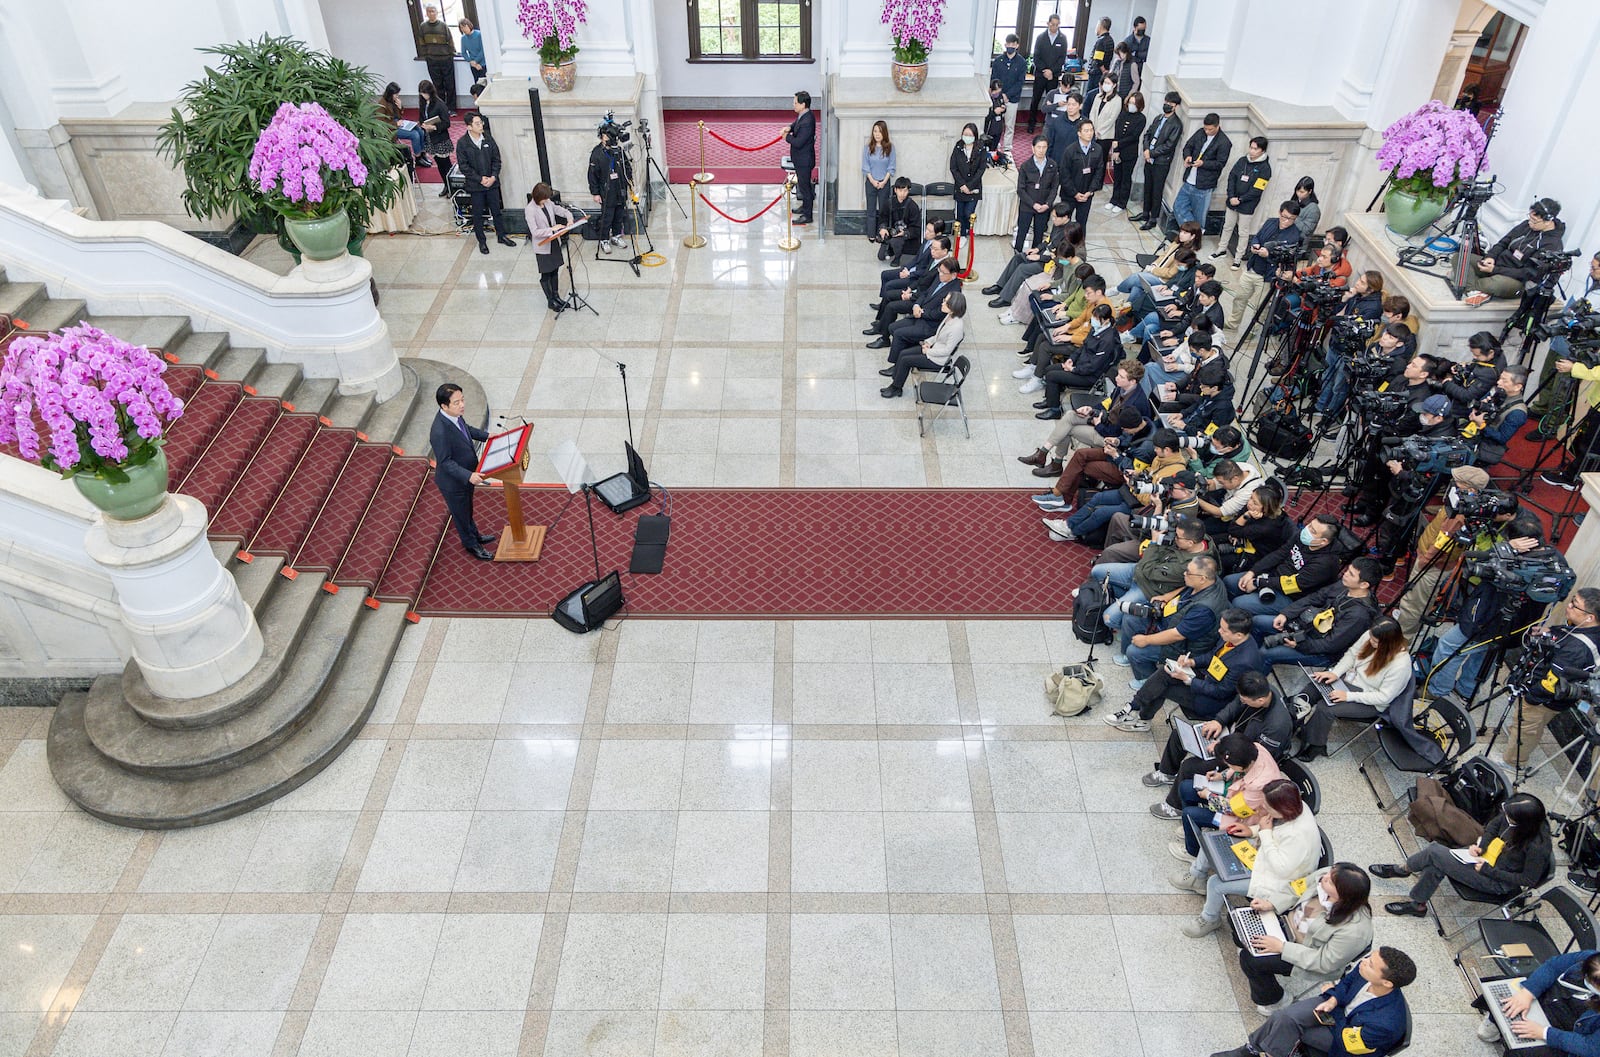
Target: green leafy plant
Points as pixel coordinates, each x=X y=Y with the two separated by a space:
x=214 y=129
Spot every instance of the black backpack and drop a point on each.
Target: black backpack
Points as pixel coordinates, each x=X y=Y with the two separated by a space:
x=1477 y=788
x=1281 y=434
x=1088 y=613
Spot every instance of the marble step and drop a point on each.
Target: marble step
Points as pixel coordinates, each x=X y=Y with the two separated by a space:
x=155 y=332
x=124 y=738
x=125 y=798
x=202 y=348
x=240 y=365
x=283 y=619
x=18 y=300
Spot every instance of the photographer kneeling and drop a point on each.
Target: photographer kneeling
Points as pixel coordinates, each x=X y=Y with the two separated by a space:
x=1201 y=687
x=1123 y=531
x=1304 y=564
x=1257 y=717
x=1322 y=625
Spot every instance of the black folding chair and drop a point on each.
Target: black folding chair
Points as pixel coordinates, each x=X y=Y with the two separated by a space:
x=1367 y=714
x=1524 y=927
x=1505 y=906
x=1310 y=791
x=940 y=189
x=1411 y=750
x=944 y=392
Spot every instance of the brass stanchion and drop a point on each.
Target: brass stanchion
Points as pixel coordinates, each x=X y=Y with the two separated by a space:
x=694 y=240
x=972 y=255
x=788 y=242
x=702 y=177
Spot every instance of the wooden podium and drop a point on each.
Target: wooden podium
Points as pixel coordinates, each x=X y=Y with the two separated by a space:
x=504 y=458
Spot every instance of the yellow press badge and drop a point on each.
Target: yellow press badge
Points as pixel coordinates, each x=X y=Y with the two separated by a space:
x=1211 y=429
x=1299 y=885
x=1106 y=403
x=1441 y=541
x=1353 y=1044
x=1246 y=853
x=1216 y=669
x=1170 y=607
x=1384 y=388
x=1261 y=185
x=1247 y=548
x=1237 y=807
x=1049 y=266
x=1290 y=584
x=1140 y=467
x=1550 y=682
x=1099 y=55
x=1492 y=852
x=1323 y=621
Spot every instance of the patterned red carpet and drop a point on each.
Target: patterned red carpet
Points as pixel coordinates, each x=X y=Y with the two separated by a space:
x=784 y=553
x=748 y=128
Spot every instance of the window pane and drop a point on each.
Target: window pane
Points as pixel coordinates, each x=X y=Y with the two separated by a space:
x=711 y=41
x=790 y=40
x=1041 y=17
x=732 y=42
x=789 y=14
x=767 y=13
x=767 y=40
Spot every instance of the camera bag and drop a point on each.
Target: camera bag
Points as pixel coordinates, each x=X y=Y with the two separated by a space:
x=1477 y=788
x=1088 y=613
x=1281 y=434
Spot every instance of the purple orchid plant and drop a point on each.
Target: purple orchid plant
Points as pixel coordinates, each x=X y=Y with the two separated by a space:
x=552 y=23
x=914 y=24
x=103 y=402
x=306 y=163
x=1431 y=150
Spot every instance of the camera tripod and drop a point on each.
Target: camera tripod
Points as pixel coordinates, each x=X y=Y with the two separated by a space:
x=1436 y=247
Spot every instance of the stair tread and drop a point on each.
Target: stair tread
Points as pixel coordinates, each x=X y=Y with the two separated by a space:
x=259 y=483
x=352 y=410
x=240 y=365
x=155 y=332
x=278 y=380
x=414 y=551
x=388 y=419
x=256 y=578
x=412 y=436
x=373 y=543
x=314 y=395
x=230 y=451
x=121 y=735
x=17 y=299
x=347 y=500
x=55 y=314
x=297 y=504
x=201 y=348
x=117 y=795
x=202 y=415
x=283 y=619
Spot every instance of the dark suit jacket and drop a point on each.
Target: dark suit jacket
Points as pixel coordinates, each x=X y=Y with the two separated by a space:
x=968 y=169
x=1074 y=178
x=1033 y=188
x=456 y=458
x=802 y=137
x=1048 y=56
x=932 y=302
x=478 y=162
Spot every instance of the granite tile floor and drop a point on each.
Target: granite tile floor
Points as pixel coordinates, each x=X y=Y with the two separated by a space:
x=672 y=837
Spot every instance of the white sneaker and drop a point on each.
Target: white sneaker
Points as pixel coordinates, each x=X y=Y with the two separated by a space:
x=1034 y=385
x=1058 y=530
x=1487 y=1030
x=1022 y=372
x=1113 y=210
x=1007 y=321
x=1119 y=716
x=1109 y=208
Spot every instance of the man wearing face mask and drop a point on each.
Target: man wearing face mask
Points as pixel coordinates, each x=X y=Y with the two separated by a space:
x=1160 y=145
x=1010 y=68
x=1304 y=564
x=1138 y=43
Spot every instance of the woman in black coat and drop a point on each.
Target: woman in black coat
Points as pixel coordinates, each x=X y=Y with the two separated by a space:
x=432 y=108
x=1125 y=153
x=967 y=162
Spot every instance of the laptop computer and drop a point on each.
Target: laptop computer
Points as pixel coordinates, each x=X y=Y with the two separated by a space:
x=1497 y=991
x=624 y=491
x=1248 y=923
x=1225 y=862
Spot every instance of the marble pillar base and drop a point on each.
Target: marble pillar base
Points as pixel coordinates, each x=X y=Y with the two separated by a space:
x=925 y=126
x=191 y=632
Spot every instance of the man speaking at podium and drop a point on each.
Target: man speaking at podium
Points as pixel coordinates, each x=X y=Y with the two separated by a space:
x=456 y=470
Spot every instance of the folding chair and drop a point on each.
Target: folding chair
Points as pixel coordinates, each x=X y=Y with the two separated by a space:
x=1525 y=928
x=1367 y=714
x=1410 y=750
x=1310 y=791
x=939 y=189
x=1506 y=906
x=944 y=392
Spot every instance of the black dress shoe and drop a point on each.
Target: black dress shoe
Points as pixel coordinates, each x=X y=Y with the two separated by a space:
x=1147 y=225
x=482 y=539
x=871 y=330
x=991 y=290
x=998 y=302
x=881 y=343
x=889 y=392
x=1538 y=436
x=1311 y=752
x=1407 y=909
x=556 y=306
x=1388 y=870
x=502 y=240
x=480 y=554
x=1041 y=405
x=483 y=247
x=1050 y=413
x=1139 y=218
x=887 y=372
x=801 y=222
x=446 y=192
x=876 y=306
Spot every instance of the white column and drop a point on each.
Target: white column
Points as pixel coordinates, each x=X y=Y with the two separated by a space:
x=192 y=634
x=1542 y=146
x=1168 y=27
x=1206 y=36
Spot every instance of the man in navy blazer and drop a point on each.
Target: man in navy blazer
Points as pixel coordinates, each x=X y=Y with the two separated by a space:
x=456 y=470
x=802 y=137
x=1365 y=1013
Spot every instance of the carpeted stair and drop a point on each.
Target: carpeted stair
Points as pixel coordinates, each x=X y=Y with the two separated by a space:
x=316 y=499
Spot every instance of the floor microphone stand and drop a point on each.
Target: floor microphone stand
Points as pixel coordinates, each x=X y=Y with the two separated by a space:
x=574 y=299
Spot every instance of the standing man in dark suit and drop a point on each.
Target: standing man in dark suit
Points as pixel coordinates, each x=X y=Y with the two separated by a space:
x=1083 y=172
x=1038 y=180
x=1049 y=55
x=1160 y=146
x=456 y=465
x=802 y=137
x=479 y=159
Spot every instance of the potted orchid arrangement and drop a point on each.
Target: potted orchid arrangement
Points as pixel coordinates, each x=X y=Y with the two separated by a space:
x=914 y=24
x=1428 y=154
x=552 y=24
x=308 y=168
x=103 y=404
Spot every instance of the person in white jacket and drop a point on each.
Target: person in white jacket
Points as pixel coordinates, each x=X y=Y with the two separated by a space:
x=935 y=352
x=1289 y=846
x=1328 y=929
x=1375 y=670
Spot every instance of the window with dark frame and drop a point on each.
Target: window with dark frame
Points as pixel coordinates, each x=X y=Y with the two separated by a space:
x=1028 y=18
x=749 y=30
x=451 y=12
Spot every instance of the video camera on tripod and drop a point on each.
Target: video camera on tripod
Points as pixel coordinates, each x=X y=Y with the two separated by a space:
x=1429 y=455
x=616 y=130
x=1377 y=409
x=1318 y=293
x=1579 y=323
x=1542 y=574
x=1479 y=511
x=1350 y=333
x=1537 y=663
x=1548 y=265
x=1281 y=255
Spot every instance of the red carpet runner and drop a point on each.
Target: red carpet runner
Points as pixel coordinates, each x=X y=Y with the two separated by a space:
x=785 y=553
x=748 y=128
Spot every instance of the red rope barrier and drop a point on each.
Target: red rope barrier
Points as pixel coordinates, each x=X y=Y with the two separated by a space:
x=736 y=146
x=972 y=247
x=736 y=220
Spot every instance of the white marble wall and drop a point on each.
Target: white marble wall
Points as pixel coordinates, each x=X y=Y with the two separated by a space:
x=924 y=127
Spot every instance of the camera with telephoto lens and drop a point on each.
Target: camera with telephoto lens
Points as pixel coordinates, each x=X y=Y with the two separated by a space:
x=1267 y=596
x=1193 y=443
x=1292 y=629
x=1541 y=574
x=1144 y=484
x=1139 y=610
x=617 y=131
x=1150 y=523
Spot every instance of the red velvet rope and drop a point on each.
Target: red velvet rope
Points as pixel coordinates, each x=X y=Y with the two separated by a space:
x=972 y=246
x=736 y=146
x=746 y=220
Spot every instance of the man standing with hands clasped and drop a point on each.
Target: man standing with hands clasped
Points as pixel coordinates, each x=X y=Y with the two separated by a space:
x=802 y=137
x=479 y=158
x=456 y=470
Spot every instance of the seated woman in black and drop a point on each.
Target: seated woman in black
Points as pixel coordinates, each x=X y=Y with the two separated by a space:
x=1261 y=529
x=1514 y=853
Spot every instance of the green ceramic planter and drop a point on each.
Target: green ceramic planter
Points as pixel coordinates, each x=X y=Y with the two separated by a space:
x=322 y=239
x=140 y=497
x=1406 y=213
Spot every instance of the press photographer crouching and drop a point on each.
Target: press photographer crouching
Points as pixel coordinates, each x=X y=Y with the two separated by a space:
x=1201 y=687
x=1496 y=416
x=1472 y=381
x=1137 y=495
x=1307 y=562
x=1172 y=624
x=1247 y=735
x=1319 y=627
x=1235 y=484
x=1125 y=532
x=1561 y=660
